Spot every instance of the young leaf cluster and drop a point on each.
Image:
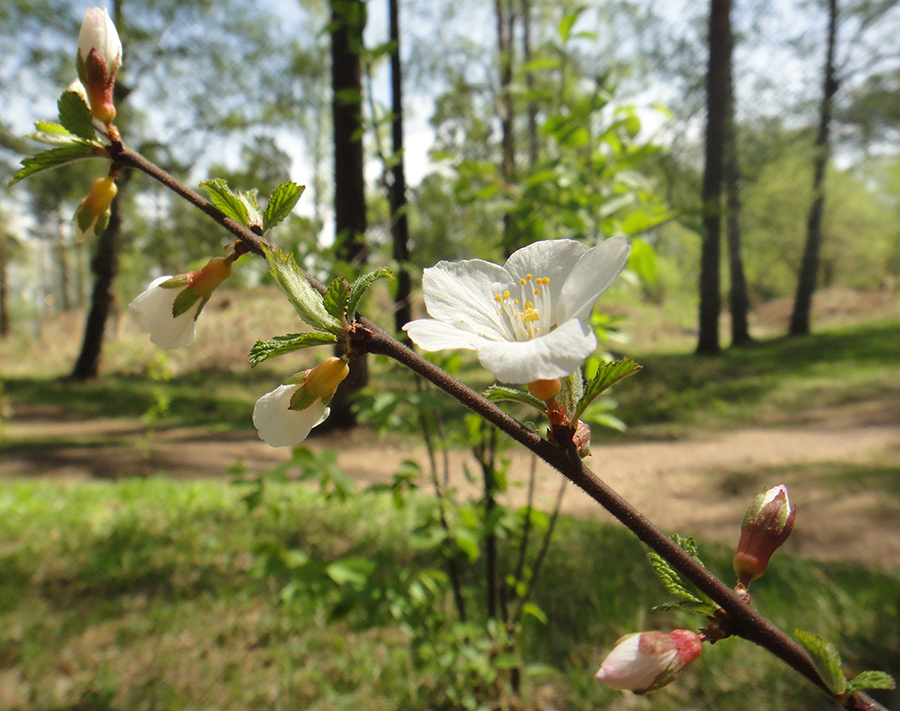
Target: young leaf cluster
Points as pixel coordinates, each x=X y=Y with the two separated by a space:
x=689 y=598
x=243 y=207
x=607 y=375
x=73 y=138
x=329 y=313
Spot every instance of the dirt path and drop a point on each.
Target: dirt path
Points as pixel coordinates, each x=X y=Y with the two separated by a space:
x=697 y=486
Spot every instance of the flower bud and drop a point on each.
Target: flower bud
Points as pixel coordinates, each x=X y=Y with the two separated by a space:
x=646 y=661
x=766 y=526
x=98 y=61
x=582 y=439
x=545 y=390
x=92 y=215
x=323 y=380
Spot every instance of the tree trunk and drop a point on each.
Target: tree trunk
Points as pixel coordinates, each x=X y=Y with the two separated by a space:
x=716 y=112
x=399 y=221
x=505 y=25
x=533 y=144
x=738 y=300
x=104 y=266
x=4 y=285
x=347 y=22
x=809 y=268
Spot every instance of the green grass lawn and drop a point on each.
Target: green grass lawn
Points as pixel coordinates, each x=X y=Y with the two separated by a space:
x=149 y=594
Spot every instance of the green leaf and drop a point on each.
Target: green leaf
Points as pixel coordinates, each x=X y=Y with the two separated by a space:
x=361 y=285
x=75 y=116
x=826 y=659
x=607 y=375
x=336 y=297
x=53 y=158
x=871 y=680
x=254 y=216
x=53 y=134
x=564 y=28
x=353 y=571
x=263 y=350
x=307 y=301
x=671 y=580
x=230 y=204
x=529 y=608
x=500 y=393
x=281 y=202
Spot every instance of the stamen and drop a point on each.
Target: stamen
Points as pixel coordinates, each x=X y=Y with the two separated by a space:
x=522 y=319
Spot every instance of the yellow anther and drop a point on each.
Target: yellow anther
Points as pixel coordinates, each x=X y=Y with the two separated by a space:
x=506 y=294
x=498 y=298
x=528 y=276
x=523 y=282
x=530 y=316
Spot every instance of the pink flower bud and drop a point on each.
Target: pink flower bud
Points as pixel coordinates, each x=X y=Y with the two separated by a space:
x=646 y=661
x=98 y=61
x=582 y=439
x=767 y=524
x=92 y=215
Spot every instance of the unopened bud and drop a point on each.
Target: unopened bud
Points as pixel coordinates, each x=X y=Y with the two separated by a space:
x=767 y=524
x=582 y=439
x=98 y=61
x=92 y=215
x=646 y=661
x=545 y=390
x=323 y=380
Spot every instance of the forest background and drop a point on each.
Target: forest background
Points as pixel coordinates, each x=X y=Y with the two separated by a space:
x=522 y=121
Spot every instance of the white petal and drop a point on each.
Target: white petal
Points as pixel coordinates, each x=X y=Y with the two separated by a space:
x=552 y=258
x=627 y=668
x=431 y=335
x=154 y=314
x=280 y=426
x=98 y=32
x=590 y=277
x=556 y=355
x=462 y=294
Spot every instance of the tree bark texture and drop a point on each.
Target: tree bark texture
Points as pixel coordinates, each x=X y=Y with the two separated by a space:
x=506 y=110
x=711 y=196
x=738 y=299
x=809 y=267
x=399 y=221
x=350 y=220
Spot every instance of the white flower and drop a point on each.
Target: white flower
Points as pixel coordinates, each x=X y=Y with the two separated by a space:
x=285 y=416
x=649 y=660
x=280 y=426
x=526 y=319
x=154 y=307
x=168 y=308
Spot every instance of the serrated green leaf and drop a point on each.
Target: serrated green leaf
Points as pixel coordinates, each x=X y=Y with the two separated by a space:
x=75 y=116
x=281 y=202
x=671 y=580
x=607 y=375
x=53 y=158
x=361 y=285
x=500 y=393
x=263 y=350
x=871 y=680
x=254 y=215
x=307 y=301
x=336 y=297
x=685 y=606
x=53 y=134
x=225 y=200
x=826 y=659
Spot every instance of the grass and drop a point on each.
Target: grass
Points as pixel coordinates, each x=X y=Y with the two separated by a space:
x=147 y=594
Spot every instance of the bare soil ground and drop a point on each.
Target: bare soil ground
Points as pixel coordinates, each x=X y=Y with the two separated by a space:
x=698 y=486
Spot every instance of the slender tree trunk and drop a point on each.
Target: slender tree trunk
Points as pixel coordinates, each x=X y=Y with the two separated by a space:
x=399 y=221
x=809 y=268
x=738 y=300
x=4 y=285
x=533 y=144
x=347 y=22
x=506 y=110
x=104 y=266
x=716 y=112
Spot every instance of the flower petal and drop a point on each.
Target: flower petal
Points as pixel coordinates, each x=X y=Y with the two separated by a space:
x=556 y=355
x=462 y=294
x=590 y=277
x=431 y=335
x=154 y=313
x=553 y=259
x=280 y=426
